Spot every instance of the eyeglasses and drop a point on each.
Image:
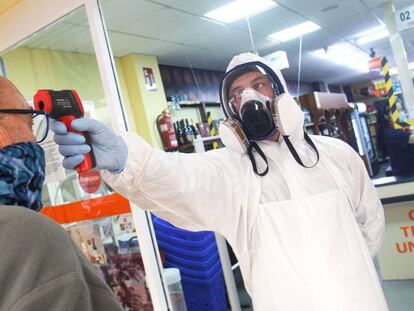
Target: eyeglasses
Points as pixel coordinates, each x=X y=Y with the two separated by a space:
x=40 y=124
x=260 y=84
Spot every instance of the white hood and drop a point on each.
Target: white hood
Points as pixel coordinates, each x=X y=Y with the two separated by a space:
x=290 y=116
x=248 y=57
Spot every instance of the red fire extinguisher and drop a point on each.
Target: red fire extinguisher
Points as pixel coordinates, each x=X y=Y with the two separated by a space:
x=166 y=129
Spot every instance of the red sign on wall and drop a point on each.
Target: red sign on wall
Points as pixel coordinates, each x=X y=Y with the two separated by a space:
x=375 y=63
x=149 y=78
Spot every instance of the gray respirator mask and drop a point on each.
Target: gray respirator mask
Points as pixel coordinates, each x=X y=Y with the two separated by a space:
x=252 y=116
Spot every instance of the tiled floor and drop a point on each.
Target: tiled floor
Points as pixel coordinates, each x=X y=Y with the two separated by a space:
x=399 y=295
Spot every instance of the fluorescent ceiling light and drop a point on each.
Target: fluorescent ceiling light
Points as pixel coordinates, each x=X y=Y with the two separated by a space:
x=372 y=34
x=369 y=31
x=294 y=32
x=212 y=21
x=345 y=54
x=238 y=9
x=394 y=71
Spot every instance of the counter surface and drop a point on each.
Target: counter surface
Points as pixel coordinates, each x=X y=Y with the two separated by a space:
x=392 y=180
x=395 y=189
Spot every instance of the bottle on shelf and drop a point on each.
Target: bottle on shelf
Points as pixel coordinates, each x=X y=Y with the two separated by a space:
x=195 y=130
x=182 y=131
x=189 y=132
x=179 y=133
x=177 y=136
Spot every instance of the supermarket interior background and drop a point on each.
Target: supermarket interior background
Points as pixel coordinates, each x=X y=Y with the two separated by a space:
x=130 y=60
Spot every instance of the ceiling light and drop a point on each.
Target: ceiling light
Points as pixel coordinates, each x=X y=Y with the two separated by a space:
x=372 y=34
x=294 y=32
x=238 y=9
x=212 y=21
x=394 y=71
x=369 y=31
x=344 y=54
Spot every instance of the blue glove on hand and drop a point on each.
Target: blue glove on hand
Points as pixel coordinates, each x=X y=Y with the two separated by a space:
x=109 y=149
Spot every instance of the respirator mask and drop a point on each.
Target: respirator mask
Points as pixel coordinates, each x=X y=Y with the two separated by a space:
x=257 y=107
x=256 y=114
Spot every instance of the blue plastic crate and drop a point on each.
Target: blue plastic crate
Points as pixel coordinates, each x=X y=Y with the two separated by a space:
x=184 y=253
x=187 y=244
x=193 y=264
x=166 y=227
x=207 y=295
x=201 y=274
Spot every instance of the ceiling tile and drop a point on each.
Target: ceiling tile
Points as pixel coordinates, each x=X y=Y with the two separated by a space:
x=154 y=47
x=123 y=44
x=173 y=31
x=58 y=39
x=156 y=23
x=271 y=21
x=77 y=17
x=198 y=7
x=121 y=13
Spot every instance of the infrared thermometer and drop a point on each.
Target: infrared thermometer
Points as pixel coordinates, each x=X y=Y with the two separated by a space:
x=65 y=106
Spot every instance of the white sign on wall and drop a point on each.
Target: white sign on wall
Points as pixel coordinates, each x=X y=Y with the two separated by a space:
x=278 y=59
x=405 y=18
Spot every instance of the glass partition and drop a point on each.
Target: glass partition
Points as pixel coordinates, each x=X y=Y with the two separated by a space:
x=61 y=57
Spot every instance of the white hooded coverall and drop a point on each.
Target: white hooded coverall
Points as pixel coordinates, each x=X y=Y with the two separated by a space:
x=304 y=237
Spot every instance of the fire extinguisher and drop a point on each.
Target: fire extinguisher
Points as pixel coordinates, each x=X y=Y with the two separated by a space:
x=166 y=129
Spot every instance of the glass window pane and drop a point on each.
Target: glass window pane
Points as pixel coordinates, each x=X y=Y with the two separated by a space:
x=62 y=57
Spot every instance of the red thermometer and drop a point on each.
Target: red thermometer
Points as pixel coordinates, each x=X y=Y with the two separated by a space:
x=65 y=106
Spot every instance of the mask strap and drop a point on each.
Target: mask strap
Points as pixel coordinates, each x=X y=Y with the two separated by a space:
x=295 y=154
x=260 y=152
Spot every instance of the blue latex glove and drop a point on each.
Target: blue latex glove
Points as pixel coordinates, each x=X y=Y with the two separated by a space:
x=109 y=149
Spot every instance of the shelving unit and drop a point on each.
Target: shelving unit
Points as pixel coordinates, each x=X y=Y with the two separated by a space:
x=330 y=114
x=189 y=148
x=182 y=113
x=200 y=105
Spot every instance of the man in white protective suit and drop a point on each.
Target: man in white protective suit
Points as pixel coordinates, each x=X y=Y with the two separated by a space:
x=300 y=213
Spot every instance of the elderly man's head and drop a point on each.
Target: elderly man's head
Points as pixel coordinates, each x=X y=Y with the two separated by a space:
x=14 y=128
x=22 y=160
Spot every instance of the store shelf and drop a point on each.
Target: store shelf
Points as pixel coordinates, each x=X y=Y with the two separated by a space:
x=210 y=139
x=195 y=104
x=179 y=148
x=188 y=106
x=206 y=140
x=212 y=104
